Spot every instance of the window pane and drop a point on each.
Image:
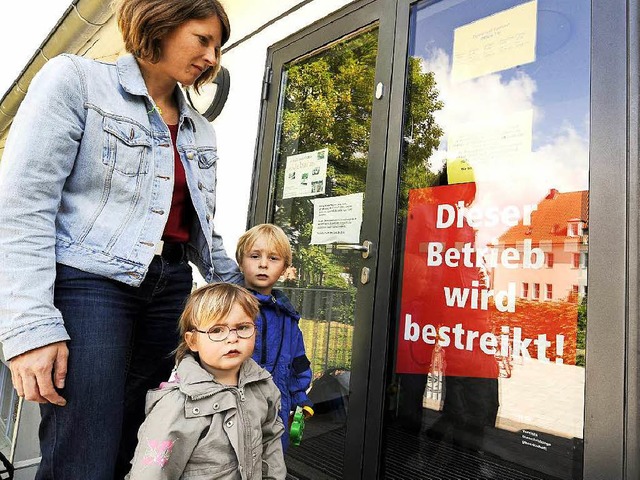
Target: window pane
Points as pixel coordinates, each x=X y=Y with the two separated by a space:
x=493 y=199
x=322 y=159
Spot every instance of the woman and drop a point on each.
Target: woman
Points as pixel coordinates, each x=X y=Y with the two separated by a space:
x=107 y=189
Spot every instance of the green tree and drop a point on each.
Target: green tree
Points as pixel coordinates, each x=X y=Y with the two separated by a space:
x=327 y=103
x=421 y=132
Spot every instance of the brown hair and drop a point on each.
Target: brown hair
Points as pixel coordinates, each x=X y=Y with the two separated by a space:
x=276 y=239
x=209 y=305
x=144 y=23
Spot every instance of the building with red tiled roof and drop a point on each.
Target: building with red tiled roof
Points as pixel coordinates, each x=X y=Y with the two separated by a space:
x=558 y=227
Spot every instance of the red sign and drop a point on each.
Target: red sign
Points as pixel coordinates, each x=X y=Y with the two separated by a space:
x=450 y=317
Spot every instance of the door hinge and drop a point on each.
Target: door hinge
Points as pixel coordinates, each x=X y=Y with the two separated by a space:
x=266 y=83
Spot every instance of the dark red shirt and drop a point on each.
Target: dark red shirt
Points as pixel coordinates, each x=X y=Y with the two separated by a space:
x=178 y=224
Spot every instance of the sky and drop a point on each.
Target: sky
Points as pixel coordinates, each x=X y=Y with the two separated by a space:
x=25 y=25
x=524 y=129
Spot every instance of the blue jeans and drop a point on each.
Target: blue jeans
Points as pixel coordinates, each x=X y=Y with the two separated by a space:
x=121 y=345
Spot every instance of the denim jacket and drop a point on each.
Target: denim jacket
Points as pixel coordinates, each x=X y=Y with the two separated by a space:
x=86 y=180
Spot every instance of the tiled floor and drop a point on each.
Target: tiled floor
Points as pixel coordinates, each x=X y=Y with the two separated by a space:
x=412 y=456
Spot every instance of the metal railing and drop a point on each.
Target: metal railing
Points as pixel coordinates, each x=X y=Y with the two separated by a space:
x=326 y=324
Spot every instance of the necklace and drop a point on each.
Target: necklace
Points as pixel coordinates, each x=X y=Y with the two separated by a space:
x=157 y=108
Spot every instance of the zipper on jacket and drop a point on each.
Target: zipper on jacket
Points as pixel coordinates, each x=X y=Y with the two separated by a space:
x=204 y=395
x=263 y=342
x=246 y=431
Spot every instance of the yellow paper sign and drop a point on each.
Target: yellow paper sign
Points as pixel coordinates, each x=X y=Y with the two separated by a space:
x=459 y=171
x=498 y=42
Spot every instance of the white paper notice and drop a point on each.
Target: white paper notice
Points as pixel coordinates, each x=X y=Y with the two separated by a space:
x=305 y=174
x=508 y=138
x=337 y=219
x=498 y=42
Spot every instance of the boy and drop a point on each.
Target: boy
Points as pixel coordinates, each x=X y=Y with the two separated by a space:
x=263 y=254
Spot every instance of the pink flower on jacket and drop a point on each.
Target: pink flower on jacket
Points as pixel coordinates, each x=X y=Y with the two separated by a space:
x=158 y=452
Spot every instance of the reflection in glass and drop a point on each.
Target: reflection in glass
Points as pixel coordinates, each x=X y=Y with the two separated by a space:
x=492 y=243
x=322 y=152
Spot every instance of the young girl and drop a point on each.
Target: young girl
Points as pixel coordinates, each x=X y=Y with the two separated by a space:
x=219 y=417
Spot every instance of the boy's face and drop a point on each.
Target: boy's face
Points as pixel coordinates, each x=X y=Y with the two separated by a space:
x=261 y=266
x=223 y=359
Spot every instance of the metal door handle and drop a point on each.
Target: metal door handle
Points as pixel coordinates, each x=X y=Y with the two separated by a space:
x=365 y=248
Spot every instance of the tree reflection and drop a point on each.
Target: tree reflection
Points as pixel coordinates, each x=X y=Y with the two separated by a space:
x=328 y=102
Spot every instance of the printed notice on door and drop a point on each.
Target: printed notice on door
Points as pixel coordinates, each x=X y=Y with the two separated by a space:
x=506 y=138
x=337 y=219
x=305 y=174
x=498 y=42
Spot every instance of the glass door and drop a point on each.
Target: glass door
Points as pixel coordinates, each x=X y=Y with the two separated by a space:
x=487 y=364
x=320 y=185
x=319 y=181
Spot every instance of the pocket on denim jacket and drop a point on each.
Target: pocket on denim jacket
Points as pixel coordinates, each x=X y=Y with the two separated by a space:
x=207 y=157
x=126 y=147
x=207 y=163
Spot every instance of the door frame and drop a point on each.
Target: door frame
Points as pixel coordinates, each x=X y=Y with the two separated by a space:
x=611 y=428
x=341 y=23
x=611 y=443
x=611 y=423
x=632 y=387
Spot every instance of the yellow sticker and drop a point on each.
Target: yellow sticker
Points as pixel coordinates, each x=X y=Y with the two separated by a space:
x=459 y=171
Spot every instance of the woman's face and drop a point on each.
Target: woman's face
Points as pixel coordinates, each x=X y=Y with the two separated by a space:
x=189 y=49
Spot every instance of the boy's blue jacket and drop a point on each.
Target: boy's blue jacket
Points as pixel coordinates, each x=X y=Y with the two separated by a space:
x=280 y=350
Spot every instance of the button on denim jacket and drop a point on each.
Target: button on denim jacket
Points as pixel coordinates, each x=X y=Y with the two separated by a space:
x=86 y=180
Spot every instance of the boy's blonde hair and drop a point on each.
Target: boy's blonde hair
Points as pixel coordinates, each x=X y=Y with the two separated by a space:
x=209 y=305
x=144 y=23
x=276 y=239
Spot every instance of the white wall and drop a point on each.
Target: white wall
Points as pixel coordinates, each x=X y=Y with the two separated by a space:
x=237 y=125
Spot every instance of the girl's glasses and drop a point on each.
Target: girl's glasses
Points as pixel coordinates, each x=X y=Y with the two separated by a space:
x=218 y=333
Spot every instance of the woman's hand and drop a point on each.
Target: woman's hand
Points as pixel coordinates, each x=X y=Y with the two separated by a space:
x=34 y=372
